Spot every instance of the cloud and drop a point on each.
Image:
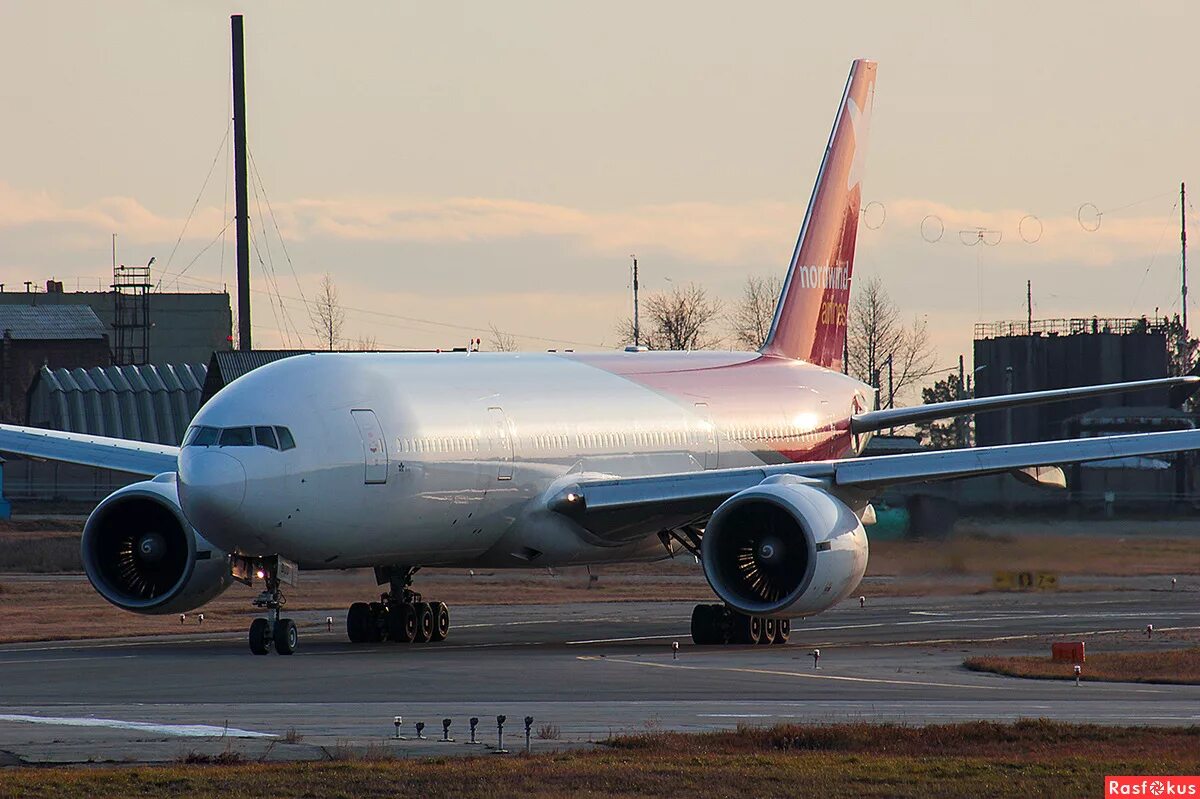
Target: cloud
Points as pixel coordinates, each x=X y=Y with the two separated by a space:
x=702 y=232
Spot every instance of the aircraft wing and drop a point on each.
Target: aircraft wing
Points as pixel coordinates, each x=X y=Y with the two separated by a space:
x=898 y=417
x=136 y=457
x=618 y=509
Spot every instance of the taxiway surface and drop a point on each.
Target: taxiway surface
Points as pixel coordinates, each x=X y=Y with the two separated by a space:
x=587 y=669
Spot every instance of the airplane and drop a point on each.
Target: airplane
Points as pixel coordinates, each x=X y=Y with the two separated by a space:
x=750 y=461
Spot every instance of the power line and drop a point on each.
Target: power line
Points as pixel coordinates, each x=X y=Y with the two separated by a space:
x=195 y=203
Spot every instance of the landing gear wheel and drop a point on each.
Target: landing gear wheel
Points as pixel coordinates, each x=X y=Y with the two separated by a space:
x=378 y=622
x=704 y=628
x=784 y=631
x=285 y=637
x=358 y=623
x=402 y=623
x=424 y=622
x=441 y=621
x=260 y=636
x=770 y=629
x=746 y=629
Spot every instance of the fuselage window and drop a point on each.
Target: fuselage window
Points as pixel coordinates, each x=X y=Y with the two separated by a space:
x=265 y=437
x=285 y=438
x=237 y=437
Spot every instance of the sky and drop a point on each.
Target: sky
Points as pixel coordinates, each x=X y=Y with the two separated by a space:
x=454 y=166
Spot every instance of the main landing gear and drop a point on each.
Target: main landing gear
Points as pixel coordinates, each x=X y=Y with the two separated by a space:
x=721 y=624
x=273 y=631
x=400 y=615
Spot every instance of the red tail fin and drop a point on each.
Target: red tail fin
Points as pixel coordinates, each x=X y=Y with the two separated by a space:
x=810 y=320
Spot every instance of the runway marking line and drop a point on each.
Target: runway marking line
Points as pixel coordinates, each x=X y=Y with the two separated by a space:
x=180 y=730
x=66 y=660
x=800 y=674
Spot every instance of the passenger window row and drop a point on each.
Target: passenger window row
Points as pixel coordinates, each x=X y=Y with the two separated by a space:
x=263 y=436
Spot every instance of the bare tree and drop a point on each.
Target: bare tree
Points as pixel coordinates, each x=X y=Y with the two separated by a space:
x=752 y=316
x=327 y=316
x=877 y=340
x=364 y=343
x=679 y=320
x=500 y=341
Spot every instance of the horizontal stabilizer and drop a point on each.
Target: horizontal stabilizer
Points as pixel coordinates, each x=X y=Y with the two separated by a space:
x=898 y=417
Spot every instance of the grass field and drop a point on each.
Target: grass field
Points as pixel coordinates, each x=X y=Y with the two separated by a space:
x=1028 y=758
x=1172 y=666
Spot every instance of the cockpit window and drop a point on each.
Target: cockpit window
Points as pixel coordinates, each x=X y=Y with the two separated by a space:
x=237 y=437
x=265 y=437
x=202 y=437
x=262 y=435
x=285 y=438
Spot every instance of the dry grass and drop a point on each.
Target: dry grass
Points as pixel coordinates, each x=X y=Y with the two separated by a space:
x=40 y=553
x=977 y=554
x=1172 y=666
x=1023 y=759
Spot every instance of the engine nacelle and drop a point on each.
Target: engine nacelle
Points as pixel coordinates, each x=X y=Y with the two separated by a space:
x=140 y=553
x=784 y=547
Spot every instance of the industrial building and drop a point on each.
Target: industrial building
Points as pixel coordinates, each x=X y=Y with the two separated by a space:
x=32 y=337
x=143 y=325
x=1061 y=353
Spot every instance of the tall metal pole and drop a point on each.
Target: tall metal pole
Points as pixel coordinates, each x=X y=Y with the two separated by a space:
x=637 y=331
x=242 y=213
x=1183 y=337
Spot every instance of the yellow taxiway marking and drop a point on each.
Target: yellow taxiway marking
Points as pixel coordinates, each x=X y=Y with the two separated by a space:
x=801 y=674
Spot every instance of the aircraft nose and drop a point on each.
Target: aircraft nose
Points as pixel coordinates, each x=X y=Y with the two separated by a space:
x=212 y=488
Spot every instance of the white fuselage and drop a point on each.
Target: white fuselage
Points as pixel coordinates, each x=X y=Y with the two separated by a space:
x=443 y=459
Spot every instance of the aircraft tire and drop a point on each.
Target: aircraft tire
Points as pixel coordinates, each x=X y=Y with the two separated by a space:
x=358 y=623
x=260 y=636
x=746 y=629
x=402 y=623
x=377 y=625
x=441 y=621
x=285 y=637
x=783 y=631
x=705 y=631
x=770 y=629
x=424 y=622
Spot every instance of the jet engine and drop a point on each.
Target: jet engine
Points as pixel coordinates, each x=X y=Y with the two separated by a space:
x=784 y=547
x=141 y=554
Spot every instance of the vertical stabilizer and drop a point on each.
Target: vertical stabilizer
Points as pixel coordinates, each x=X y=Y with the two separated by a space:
x=810 y=320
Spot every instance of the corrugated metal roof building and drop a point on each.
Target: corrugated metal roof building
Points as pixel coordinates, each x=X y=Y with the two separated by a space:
x=34 y=336
x=225 y=366
x=50 y=323
x=142 y=403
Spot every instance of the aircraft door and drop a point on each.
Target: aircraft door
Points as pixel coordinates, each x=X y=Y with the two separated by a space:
x=502 y=443
x=375 y=455
x=706 y=437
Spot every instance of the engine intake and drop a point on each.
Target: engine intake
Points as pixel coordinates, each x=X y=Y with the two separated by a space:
x=784 y=547
x=141 y=554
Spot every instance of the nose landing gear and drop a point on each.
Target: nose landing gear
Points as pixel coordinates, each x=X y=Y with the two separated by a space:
x=272 y=632
x=400 y=616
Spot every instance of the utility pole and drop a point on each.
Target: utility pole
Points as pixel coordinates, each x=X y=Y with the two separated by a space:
x=1183 y=336
x=960 y=422
x=637 y=331
x=240 y=184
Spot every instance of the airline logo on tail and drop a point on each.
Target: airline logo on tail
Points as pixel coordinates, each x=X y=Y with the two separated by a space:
x=810 y=320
